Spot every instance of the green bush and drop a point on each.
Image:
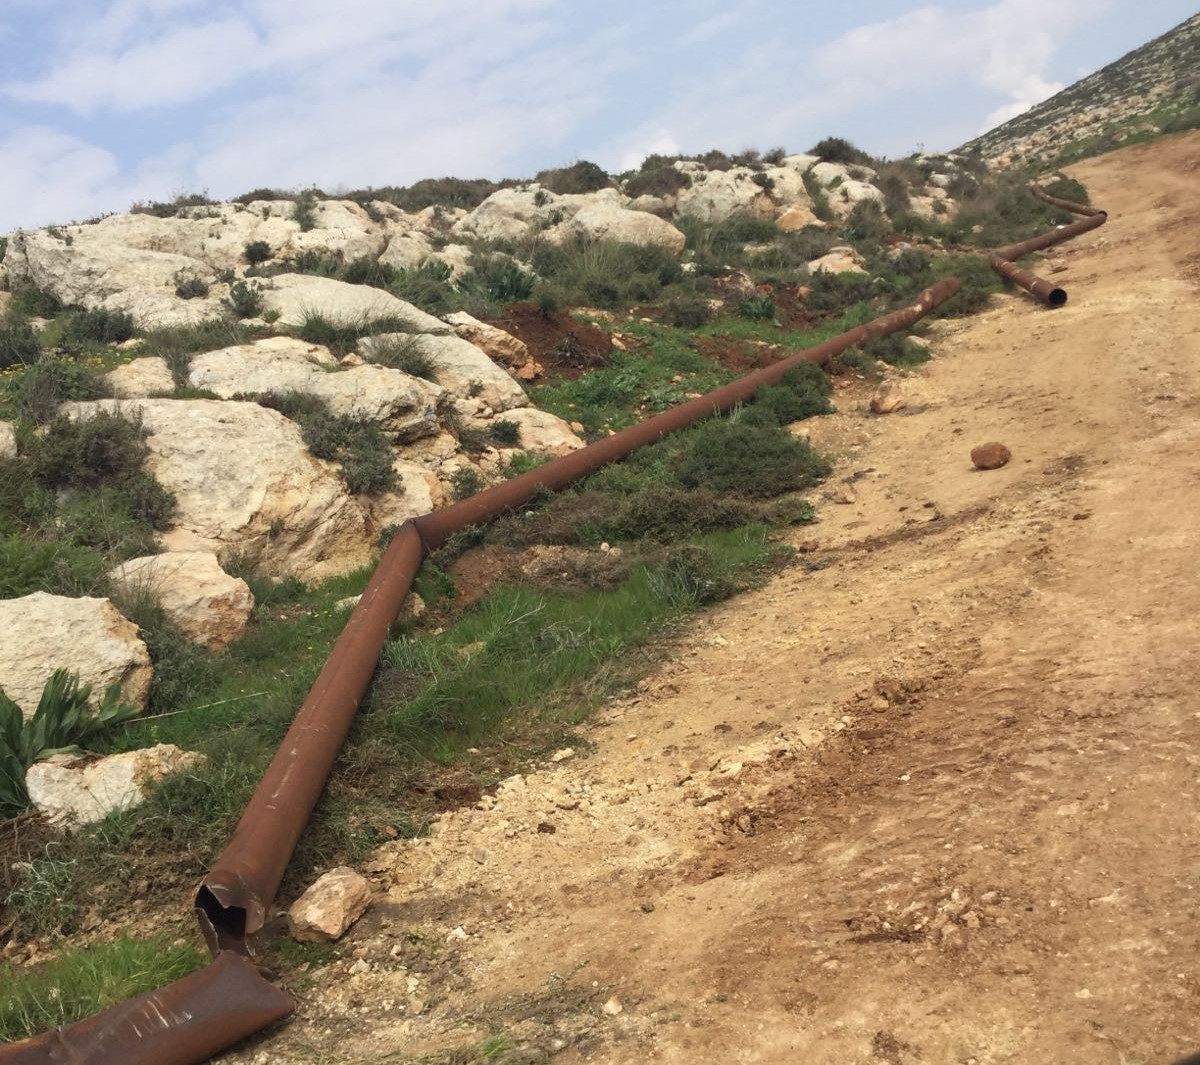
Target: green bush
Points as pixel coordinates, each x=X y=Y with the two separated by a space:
x=369 y=272
x=731 y=455
x=304 y=213
x=49 y=383
x=867 y=223
x=835 y=292
x=685 y=312
x=34 y=302
x=840 y=150
x=605 y=273
x=58 y=568
x=656 y=177
x=86 y=452
x=98 y=326
x=190 y=287
x=581 y=176
x=342 y=335
x=465 y=482
x=759 y=307
x=400 y=351
x=506 y=432
x=497 y=278
x=257 y=251
x=171 y=208
x=803 y=392
x=245 y=300
x=820 y=199
x=18 y=343
x=428 y=287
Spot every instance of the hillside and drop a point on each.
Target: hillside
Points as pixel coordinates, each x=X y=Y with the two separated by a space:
x=1152 y=89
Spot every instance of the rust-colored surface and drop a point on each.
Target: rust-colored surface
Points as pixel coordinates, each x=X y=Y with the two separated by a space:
x=1002 y=258
x=180 y=1024
x=194 y=1018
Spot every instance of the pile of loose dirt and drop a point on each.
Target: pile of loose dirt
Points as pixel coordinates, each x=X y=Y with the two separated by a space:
x=565 y=346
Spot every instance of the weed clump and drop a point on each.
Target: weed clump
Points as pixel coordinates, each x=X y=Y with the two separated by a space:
x=739 y=457
x=581 y=176
x=840 y=150
x=245 y=300
x=404 y=352
x=256 y=252
x=98 y=326
x=19 y=344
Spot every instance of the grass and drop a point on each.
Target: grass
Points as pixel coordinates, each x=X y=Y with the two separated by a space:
x=342 y=335
x=403 y=352
x=82 y=982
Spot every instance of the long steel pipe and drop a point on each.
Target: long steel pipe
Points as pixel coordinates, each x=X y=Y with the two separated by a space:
x=1002 y=259
x=190 y=1020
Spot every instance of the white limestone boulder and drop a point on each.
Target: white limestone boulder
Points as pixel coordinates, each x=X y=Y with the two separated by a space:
x=608 y=221
x=462 y=369
x=839 y=260
x=87 y=636
x=398 y=402
x=715 y=195
x=8 y=441
x=72 y=792
x=140 y=378
x=205 y=603
x=244 y=482
x=330 y=906
x=418 y=491
x=294 y=296
x=543 y=433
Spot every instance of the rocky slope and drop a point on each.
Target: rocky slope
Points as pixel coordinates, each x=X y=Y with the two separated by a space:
x=1140 y=92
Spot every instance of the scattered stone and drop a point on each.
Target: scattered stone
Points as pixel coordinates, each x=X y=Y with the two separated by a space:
x=546 y=828
x=8 y=441
x=990 y=456
x=81 y=791
x=888 y=399
x=613 y=1007
x=844 y=494
x=325 y=912
x=204 y=602
x=840 y=260
x=87 y=636
x=647 y=906
x=563 y=755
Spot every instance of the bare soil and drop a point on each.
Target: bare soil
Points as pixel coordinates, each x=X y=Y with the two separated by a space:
x=565 y=346
x=929 y=796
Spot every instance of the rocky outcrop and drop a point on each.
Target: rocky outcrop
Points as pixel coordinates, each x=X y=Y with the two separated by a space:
x=326 y=911
x=244 y=482
x=80 y=791
x=296 y=296
x=93 y=271
x=610 y=221
x=715 y=195
x=8 y=441
x=462 y=369
x=510 y=214
x=85 y=636
x=205 y=603
x=404 y=405
x=496 y=344
x=839 y=260
x=542 y=432
x=140 y=378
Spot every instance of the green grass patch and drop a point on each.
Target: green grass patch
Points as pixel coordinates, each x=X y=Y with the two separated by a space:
x=82 y=982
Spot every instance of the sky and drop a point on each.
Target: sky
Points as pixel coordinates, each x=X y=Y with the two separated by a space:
x=105 y=102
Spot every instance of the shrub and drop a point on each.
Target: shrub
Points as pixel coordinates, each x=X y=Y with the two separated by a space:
x=775 y=156
x=99 y=325
x=497 y=278
x=820 y=200
x=656 y=177
x=190 y=287
x=171 y=208
x=433 y=192
x=465 y=482
x=835 y=292
x=399 y=351
x=803 y=392
x=506 y=432
x=245 y=300
x=428 y=287
x=759 y=307
x=28 y=566
x=366 y=460
x=47 y=384
x=34 y=302
x=86 y=452
x=688 y=312
x=18 y=343
x=731 y=455
x=257 y=251
x=867 y=223
x=580 y=176
x=369 y=272
x=304 y=213
x=894 y=186
x=840 y=150
x=1066 y=188
x=605 y=273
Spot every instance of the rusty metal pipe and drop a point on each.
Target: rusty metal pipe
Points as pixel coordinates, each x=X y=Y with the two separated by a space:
x=1002 y=259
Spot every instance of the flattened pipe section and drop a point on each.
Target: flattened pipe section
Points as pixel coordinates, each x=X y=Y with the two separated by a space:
x=194 y=1018
x=1002 y=258
x=185 y=1022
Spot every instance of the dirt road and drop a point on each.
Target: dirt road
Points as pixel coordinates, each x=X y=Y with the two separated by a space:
x=931 y=797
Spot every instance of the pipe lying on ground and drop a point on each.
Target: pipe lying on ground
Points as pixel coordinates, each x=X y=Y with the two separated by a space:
x=188 y=1021
x=1002 y=259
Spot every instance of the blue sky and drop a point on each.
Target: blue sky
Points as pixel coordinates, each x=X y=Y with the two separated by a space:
x=106 y=101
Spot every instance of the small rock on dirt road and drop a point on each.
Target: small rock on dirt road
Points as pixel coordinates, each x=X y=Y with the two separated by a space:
x=326 y=911
x=888 y=399
x=990 y=456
